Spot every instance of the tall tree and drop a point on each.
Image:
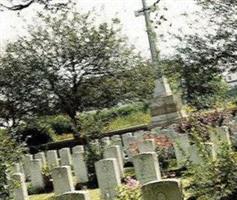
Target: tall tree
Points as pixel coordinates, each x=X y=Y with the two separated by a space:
x=202 y=55
x=70 y=65
x=18 y=5
x=223 y=19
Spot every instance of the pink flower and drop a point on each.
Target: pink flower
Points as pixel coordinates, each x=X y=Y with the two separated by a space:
x=131 y=183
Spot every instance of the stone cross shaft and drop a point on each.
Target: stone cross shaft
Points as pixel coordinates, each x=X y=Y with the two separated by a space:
x=162 y=87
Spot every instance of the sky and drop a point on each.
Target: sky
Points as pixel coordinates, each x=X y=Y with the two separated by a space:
x=12 y=24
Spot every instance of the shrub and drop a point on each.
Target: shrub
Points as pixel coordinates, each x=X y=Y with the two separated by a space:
x=46 y=172
x=35 y=133
x=91 y=124
x=130 y=190
x=10 y=153
x=93 y=154
x=201 y=120
x=214 y=180
x=60 y=124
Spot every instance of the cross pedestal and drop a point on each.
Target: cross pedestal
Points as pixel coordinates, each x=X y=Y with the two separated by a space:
x=166 y=108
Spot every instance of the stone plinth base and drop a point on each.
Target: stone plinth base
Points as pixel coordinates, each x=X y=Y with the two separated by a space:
x=166 y=110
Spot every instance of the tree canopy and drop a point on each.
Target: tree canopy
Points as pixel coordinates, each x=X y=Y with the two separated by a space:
x=69 y=64
x=19 y=5
x=202 y=55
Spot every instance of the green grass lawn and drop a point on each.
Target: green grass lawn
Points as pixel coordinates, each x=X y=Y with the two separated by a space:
x=94 y=194
x=120 y=122
x=134 y=119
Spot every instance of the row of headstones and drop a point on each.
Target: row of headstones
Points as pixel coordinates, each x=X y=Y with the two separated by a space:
x=32 y=167
x=62 y=182
x=109 y=172
x=182 y=146
x=183 y=150
x=147 y=167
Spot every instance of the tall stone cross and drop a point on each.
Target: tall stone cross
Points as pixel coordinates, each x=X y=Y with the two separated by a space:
x=162 y=87
x=164 y=106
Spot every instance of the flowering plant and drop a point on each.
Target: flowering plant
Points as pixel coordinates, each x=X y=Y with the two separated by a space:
x=130 y=190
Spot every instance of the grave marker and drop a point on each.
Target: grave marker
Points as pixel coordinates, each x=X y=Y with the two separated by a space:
x=108 y=177
x=65 y=155
x=62 y=180
x=37 y=179
x=78 y=148
x=20 y=189
x=147 y=145
x=52 y=159
x=115 y=152
x=27 y=158
x=80 y=167
x=146 y=167
x=41 y=156
x=162 y=190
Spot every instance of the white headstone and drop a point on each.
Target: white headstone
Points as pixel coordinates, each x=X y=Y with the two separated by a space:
x=195 y=156
x=62 y=180
x=147 y=167
x=115 y=152
x=147 y=145
x=37 y=179
x=52 y=159
x=128 y=141
x=41 y=156
x=80 y=167
x=116 y=140
x=16 y=168
x=78 y=148
x=182 y=148
x=219 y=137
x=139 y=135
x=20 y=189
x=108 y=177
x=65 y=156
x=162 y=190
x=106 y=141
x=26 y=165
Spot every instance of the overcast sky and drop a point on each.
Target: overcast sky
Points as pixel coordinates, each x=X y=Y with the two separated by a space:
x=12 y=25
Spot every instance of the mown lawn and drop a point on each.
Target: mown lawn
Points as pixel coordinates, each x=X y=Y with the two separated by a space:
x=94 y=194
x=133 y=119
x=120 y=122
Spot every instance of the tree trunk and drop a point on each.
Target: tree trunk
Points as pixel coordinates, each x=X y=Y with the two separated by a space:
x=75 y=127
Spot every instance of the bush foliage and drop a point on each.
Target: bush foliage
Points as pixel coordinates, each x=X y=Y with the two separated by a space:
x=214 y=180
x=10 y=153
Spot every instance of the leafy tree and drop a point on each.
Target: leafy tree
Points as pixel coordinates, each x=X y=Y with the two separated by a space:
x=215 y=47
x=213 y=44
x=202 y=86
x=201 y=56
x=20 y=91
x=23 y=4
x=70 y=65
